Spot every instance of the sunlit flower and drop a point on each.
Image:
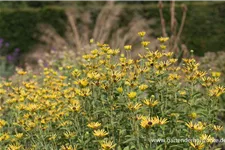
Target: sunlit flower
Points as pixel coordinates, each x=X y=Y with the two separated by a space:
x=15 y=146
x=94 y=125
x=150 y=102
x=67 y=147
x=132 y=95
x=120 y=89
x=163 y=47
x=217 y=127
x=193 y=115
x=107 y=145
x=127 y=47
x=195 y=126
x=143 y=87
x=163 y=39
x=145 y=43
x=216 y=74
x=148 y=122
x=198 y=145
x=207 y=138
x=141 y=34
x=69 y=135
x=100 y=133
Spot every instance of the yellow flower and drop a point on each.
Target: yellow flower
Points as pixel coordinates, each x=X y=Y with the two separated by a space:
x=127 y=47
x=2 y=123
x=162 y=121
x=100 y=133
x=132 y=95
x=52 y=137
x=163 y=39
x=2 y=91
x=216 y=74
x=134 y=107
x=216 y=91
x=21 y=72
x=148 y=122
x=207 y=138
x=75 y=107
x=91 y=41
x=69 y=135
x=198 y=145
x=15 y=146
x=4 y=137
x=94 y=125
x=150 y=102
x=107 y=145
x=67 y=147
x=19 y=135
x=143 y=87
x=195 y=126
x=120 y=89
x=217 y=127
x=182 y=92
x=145 y=43
x=141 y=34
x=83 y=82
x=174 y=77
x=163 y=47
x=193 y=115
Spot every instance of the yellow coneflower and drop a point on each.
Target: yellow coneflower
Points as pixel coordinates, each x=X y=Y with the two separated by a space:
x=119 y=89
x=69 y=135
x=162 y=121
x=15 y=146
x=107 y=145
x=145 y=43
x=132 y=95
x=148 y=122
x=19 y=135
x=217 y=127
x=94 y=125
x=197 y=145
x=217 y=91
x=100 y=133
x=163 y=47
x=143 y=87
x=216 y=74
x=207 y=138
x=150 y=102
x=2 y=123
x=193 y=115
x=127 y=47
x=21 y=72
x=141 y=34
x=91 y=41
x=195 y=126
x=67 y=147
x=163 y=39
x=134 y=107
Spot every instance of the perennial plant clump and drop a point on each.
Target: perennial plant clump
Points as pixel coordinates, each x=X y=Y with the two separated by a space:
x=111 y=101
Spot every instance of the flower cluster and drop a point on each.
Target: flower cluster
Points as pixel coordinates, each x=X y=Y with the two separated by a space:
x=111 y=101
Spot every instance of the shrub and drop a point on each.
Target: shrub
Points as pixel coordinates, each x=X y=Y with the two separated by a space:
x=112 y=101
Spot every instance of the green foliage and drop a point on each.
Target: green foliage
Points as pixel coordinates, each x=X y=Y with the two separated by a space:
x=20 y=26
x=6 y=69
x=204 y=28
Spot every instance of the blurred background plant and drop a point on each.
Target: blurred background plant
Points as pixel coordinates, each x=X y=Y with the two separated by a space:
x=37 y=27
x=7 y=62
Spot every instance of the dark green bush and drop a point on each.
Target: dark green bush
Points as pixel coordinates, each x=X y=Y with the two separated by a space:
x=20 y=26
